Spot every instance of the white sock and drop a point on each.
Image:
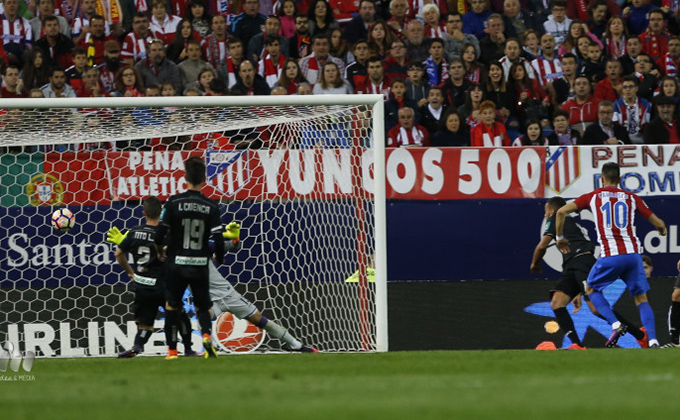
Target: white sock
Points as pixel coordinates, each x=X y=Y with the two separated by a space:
x=278 y=332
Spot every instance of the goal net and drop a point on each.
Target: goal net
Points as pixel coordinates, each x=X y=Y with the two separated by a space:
x=304 y=176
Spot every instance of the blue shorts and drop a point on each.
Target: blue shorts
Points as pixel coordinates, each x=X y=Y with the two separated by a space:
x=627 y=267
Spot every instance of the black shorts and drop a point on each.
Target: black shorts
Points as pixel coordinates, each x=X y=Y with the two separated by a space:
x=178 y=277
x=145 y=306
x=574 y=275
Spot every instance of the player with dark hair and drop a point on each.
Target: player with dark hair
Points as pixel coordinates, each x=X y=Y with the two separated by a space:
x=575 y=268
x=191 y=219
x=147 y=278
x=614 y=210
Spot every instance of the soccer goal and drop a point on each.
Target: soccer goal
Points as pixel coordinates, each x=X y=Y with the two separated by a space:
x=304 y=175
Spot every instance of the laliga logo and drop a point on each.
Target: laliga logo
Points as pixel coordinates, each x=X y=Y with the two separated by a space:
x=237 y=335
x=10 y=355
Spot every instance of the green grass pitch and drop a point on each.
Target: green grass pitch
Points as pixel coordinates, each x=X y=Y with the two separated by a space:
x=596 y=384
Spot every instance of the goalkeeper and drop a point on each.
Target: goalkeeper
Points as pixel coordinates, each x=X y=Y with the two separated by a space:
x=226 y=299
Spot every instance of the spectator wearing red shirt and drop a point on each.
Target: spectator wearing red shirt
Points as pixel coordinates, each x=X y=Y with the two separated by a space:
x=669 y=63
x=583 y=108
x=490 y=133
x=12 y=85
x=407 y=133
x=609 y=88
x=655 y=38
x=56 y=46
x=95 y=40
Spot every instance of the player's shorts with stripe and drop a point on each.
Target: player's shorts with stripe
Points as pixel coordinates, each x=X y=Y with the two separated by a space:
x=627 y=267
x=574 y=276
x=178 y=277
x=226 y=298
x=145 y=306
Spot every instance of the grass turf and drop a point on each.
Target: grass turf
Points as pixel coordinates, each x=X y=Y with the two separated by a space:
x=602 y=384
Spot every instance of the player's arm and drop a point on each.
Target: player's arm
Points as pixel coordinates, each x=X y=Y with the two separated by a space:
x=123 y=262
x=562 y=243
x=539 y=253
x=658 y=224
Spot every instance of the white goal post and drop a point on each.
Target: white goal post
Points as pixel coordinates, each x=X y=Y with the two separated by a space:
x=304 y=175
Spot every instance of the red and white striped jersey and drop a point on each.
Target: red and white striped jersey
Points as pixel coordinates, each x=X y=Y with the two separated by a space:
x=614 y=210
x=547 y=70
x=16 y=32
x=135 y=47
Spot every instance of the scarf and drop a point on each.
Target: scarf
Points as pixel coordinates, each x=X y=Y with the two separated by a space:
x=671 y=68
x=565 y=138
x=615 y=49
x=213 y=50
x=413 y=136
x=112 y=11
x=433 y=74
x=313 y=70
x=271 y=72
x=633 y=117
x=474 y=76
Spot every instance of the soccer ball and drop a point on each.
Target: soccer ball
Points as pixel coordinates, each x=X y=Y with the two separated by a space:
x=63 y=220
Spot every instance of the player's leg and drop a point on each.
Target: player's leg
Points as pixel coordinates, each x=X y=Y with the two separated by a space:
x=175 y=285
x=674 y=315
x=186 y=332
x=639 y=333
x=602 y=274
x=200 y=290
x=563 y=293
x=145 y=309
x=637 y=282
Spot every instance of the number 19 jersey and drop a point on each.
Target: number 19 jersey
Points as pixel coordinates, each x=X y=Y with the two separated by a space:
x=614 y=211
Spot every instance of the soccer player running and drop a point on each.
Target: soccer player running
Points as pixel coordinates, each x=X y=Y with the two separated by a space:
x=191 y=218
x=575 y=268
x=614 y=210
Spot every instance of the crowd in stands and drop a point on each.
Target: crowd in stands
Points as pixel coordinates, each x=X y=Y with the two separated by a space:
x=452 y=72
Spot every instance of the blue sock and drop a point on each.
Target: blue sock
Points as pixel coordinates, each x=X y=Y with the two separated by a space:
x=263 y=322
x=647 y=318
x=603 y=307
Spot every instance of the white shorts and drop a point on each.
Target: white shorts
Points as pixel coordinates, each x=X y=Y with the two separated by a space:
x=226 y=298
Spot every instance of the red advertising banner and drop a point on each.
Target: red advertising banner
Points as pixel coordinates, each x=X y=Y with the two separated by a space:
x=412 y=173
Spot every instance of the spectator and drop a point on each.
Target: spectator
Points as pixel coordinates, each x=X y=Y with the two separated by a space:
x=416 y=47
x=272 y=64
x=632 y=112
x=407 y=133
x=431 y=113
x=489 y=133
x=357 y=28
x=176 y=50
x=214 y=45
x=633 y=49
x=474 y=70
x=156 y=69
x=136 y=42
x=300 y=44
x=558 y=23
x=434 y=27
x=577 y=29
x=655 y=38
x=339 y=48
x=81 y=24
x=597 y=11
x=128 y=83
x=669 y=63
x=416 y=87
x=606 y=131
x=562 y=133
x=594 y=65
x=454 y=88
x=57 y=87
x=532 y=136
x=95 y=40
x=669 y=87
x=321 y=18
x=636 y=16
x=532 y=101
x=436 y=66
x=36 y=71
x=518 y=21
x=91 y=86
x=74 y=74
x=331 y=81
x=512 y=56
x=455 y=39
x=12 y=85
x=416 y=8
x=578 y=9
x=648 y=78
x=399 y=18
x=583 y=108
x=664 y=128
x=452 y=131
x=163 y=26
x=531 y=49
x=397 y=101
x=311 y=64
x=615 y=38
x=547 y=67
x=291 y=76
x=563 y=88
x=256 y=47
x=286 y=14
x=192 y=66
x=198 y=13
x=492 y=45
x=497 y=90
x=109 y=68
x=226 y=70
x=249 y=83
x=396 y=64
x=609 y=89
x=216 y=87
x=56 y=47
x=45 y=8
x=474 y=21
x=380 y=38
x=304 y=88
x=375 y=81
x=469 y=111
x=203 y=80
